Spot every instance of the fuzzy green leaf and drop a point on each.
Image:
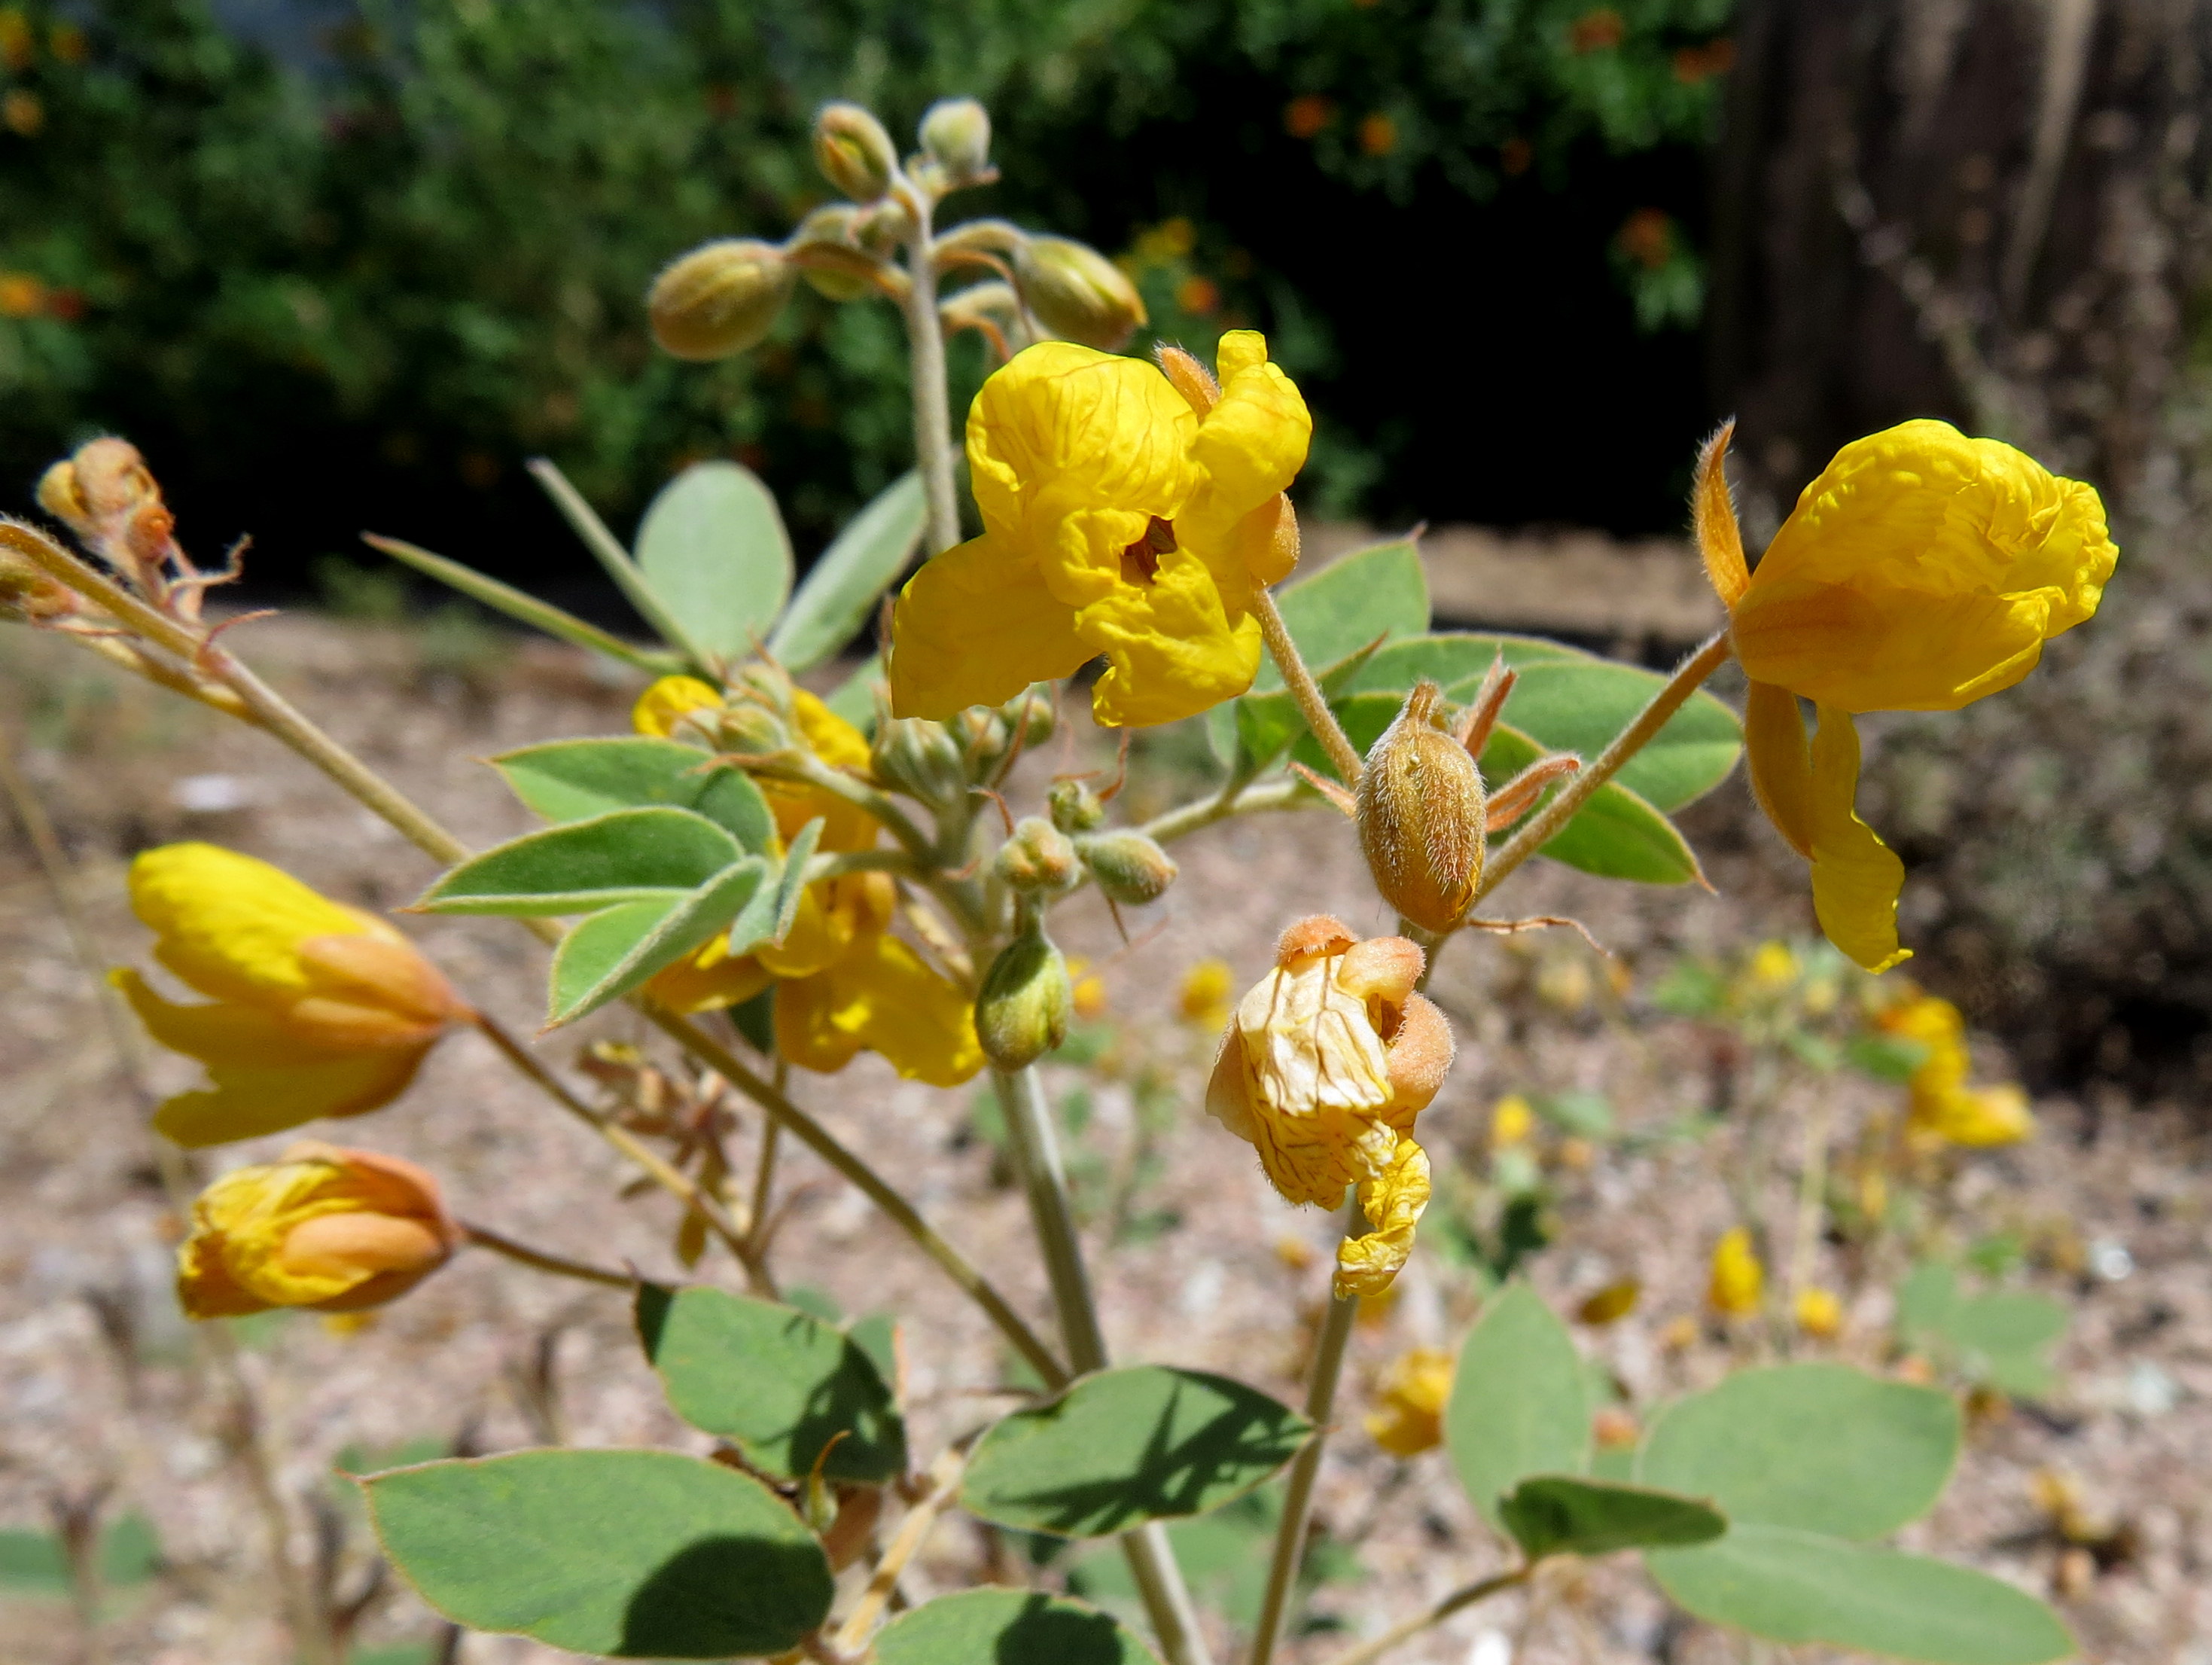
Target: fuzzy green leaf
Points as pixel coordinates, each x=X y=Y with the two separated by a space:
x=573 y=780
x=1003 y=1626
x=713 y=549
x=1520 y=1402
x=622 y=856
x=608 y=955
x=840 y=595
x=1565 y=1514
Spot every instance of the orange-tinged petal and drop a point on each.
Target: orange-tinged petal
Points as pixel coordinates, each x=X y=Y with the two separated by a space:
x=247 y=1101
x=1780 y=762
x=1712 y=512
x=975 y=626
x=1855 y=877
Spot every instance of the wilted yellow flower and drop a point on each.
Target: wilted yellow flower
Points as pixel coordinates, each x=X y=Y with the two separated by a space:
x=1511 y=1121
x=1328 y=1061
x=319 y=1009
x=1738 y=1281
x=326 y=1227
x=1921 y=571
x=1124 y=514
x=1408 y=1418
x=1820 y=1313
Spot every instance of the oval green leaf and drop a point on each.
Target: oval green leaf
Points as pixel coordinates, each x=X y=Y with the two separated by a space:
x=574 y=780
x=994 y=1626
x=840 y=595
x=1381 y=592
x=1124 y=1446
x=1520 y=1401
x=629 y=1554
x=775 y=1382
x=1800 y=1587
x=713 y=549
x=1563 y=1514
x=623 y=856
x=1816 y=1447
x=1579 y=704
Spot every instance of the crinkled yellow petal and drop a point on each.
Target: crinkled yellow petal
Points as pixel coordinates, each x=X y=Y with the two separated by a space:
x=1855 y=877
x=230 y=925
x=1780 y=762
x=1393 y=1199
x=247 y=1101
x=893 y=1003
x=1921 y=569
x=1172 y=651
x=1249 y=447
x=975 y=626
x=670 y=698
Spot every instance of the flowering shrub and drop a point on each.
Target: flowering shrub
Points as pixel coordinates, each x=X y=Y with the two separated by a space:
x=845 y=873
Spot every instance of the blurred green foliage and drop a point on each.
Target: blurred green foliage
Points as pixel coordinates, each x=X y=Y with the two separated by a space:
x=358 y=286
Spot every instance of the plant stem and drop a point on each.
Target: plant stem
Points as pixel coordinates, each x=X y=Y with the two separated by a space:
x=1298 y=1495
x=311 y=1629
x=924 y=334
x=1190 y=817
x=585 y=522
x=1537 y=830
x=756 y=1219
x=1313 y=704
x=1035 y=1155
x=944 y=1485
x=1369 y=1651
x=560 y=1265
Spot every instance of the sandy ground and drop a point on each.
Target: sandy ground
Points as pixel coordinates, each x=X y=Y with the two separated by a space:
x=102 y=1387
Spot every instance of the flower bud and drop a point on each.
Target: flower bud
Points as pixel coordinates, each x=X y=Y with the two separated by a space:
x=720 y=299
x=1076 y=293
x=1421 y=809
x=1037 y=857
x=853 y=151
x=983 y=735
x=1022 y=1012
x=956 y=133
x=28 y=596
x=1029 y=718
x=918 y=757
x=1128 y=866
x=825 y=249
x=1074 y=807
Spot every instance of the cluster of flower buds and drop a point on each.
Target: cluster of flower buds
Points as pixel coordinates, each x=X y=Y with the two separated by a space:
x=939 y=764
x=1128 y=866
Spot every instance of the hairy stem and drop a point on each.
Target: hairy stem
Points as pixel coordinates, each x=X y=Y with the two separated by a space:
x=1467 y=1596
x=560 y=1265
x=924 y=334
x=1313 y=704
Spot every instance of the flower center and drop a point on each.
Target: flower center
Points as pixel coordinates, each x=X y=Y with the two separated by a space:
x=1140 y=560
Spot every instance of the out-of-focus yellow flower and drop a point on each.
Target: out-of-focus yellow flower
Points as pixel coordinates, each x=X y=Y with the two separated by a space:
x=1328 y=1061
x=1511 y=1121
x=1124 y=514
x=1408 y=1418
x=669 y=701
x=1979 y=1117
x=1820 y=1313
x=319 y=1009
x=1738 y=1281
x=1565 y=984
x=1203 y=1000
x=1295 y=1253
x=1921 y=571
x=326 y=1227
x=1088 y=990
x=1943 y=1106
x=1773 y=967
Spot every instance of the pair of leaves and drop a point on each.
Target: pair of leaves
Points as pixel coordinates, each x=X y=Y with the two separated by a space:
x=2001 y=1338
x=659 y=848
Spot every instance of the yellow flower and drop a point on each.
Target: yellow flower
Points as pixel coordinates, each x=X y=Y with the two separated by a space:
x=1942 y=1106
x=1203 y=1000
x=319 y=1009
x=1979 y=1117
x=326 y=1227
x=1921 y=571
x=1773 y=967
x=1820 y=1313
x=1409 y=1399
x=1326 y=1065
x=669 y=701
x=1511 y=1121
x=1739 y=1281
x=1124 y=514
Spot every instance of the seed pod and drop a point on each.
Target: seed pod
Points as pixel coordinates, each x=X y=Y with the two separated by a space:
x=1038 y=858
x=853 y=151
x=1421 y=805
x=956 y=132
x=917 y=756
x=1074 y=807
x=1022 y=1012
x=720 y=299
x=1076 y=293
x=1128 y=866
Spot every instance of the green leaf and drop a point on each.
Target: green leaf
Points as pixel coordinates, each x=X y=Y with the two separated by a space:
x=840 y=595
x=1261 y=724
x=1124 y=1446
x=1003 y=1626
x=1452 y=659
x=1520 y=1405
x=2000 y=1338
x=633 y=1554
x=713 y=548
x=777 y=1383
x=622 y=856
x=791 y=889
x=1885 y=1057
x=855 y=698
x=1381 y=592
x=521 y=605
x=603 y=957
x=1562 y=1515
x=1584 y=1115
x=1799 y=1587
x=1580 y=704
x=574 y=780
x=1817 y=1446
x=607 y=550
x=1616 y=835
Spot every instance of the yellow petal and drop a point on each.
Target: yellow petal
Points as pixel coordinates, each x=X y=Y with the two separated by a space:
x=1249 y=448
x=1738 y=1282
x=807 y=1032
x=221 y=1033
x=1172 y=650
x=975 y=626
x=1780 y=762
x=670 y=698
x=894 y=1003
x=1393 y=1199
x=247 y=1101
x=828 y=735
x=318 y=1227
x=230 y=925
x=1855 y=877
x=708 y=979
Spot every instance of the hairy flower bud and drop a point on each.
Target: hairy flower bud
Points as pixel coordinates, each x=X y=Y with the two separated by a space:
x=1074 y=807
x=853 y=151
x=1022 y=1012
x=720 y=299
x=826 y=250
x=1028 y=717
x=1128 y=866
x=956 y=132
x=1421 y=809
x=1037 y=857
x=1076 y=293
x=918 y=757
x=983 y=737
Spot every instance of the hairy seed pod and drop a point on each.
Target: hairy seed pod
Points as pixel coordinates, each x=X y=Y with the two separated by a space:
x=1128 y=866
x=1024 y=1010
x=720 y=299
x=1076 y=293
x=1421 y=804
